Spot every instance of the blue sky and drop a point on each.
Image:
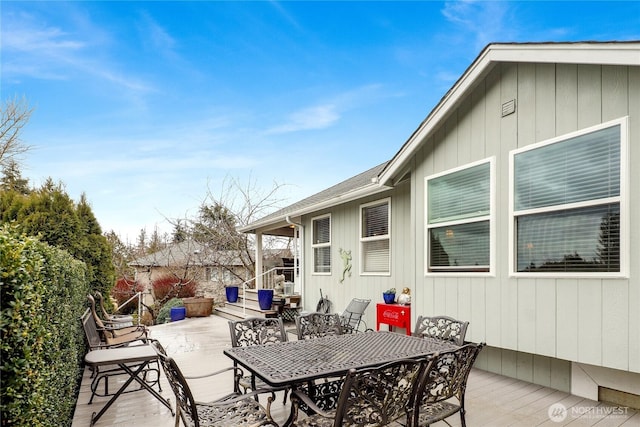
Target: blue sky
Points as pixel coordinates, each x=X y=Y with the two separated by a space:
x=145 y=105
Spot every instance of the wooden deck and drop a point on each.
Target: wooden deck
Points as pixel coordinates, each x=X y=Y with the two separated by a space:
x=197 y=344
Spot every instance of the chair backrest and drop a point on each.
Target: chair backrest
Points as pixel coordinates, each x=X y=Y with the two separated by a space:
x=118 y=320
x=256 y=330
x=378 y=396
x=104 y=334
x=100 y=301
x=352 y=315
x=185 y=403
x=441 y=327
x=317 y=325
x=447 y=376
x=91 y=333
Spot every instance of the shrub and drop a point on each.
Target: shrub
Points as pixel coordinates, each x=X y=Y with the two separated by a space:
x=164 y=314
x=167 y=287
x=125 y=289
x=43 y=294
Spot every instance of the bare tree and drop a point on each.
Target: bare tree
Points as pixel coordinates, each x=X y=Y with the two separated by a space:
x=15 y=115
x=221 y=212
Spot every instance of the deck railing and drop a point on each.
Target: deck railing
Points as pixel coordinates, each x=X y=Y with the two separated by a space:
x=268 y=281
x=137 y=295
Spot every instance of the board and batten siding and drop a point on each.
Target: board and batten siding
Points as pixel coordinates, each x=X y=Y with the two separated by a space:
x=345 y=234
x=535 y=326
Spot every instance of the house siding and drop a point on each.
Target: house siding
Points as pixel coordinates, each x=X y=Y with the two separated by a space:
x=345 y=223
x=536 y=328
x=529 y=321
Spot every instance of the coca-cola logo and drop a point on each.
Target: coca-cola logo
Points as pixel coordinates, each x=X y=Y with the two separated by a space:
x=388 y=314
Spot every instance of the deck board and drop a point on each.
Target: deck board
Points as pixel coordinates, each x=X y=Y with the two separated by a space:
x=197 y=345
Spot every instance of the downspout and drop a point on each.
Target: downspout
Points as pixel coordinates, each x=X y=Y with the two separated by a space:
x=298 y=265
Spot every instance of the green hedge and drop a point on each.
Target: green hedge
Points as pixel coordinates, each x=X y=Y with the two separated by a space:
x=43 y=294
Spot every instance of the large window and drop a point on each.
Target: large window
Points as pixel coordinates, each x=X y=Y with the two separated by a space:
x=566 y=202
x=375 y=237
x=321 y=244
x=459 y=219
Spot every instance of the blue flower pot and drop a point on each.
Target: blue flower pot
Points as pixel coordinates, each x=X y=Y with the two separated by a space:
x=232 y=293
x=265 y=298
x=389 y=298
x=178 y=313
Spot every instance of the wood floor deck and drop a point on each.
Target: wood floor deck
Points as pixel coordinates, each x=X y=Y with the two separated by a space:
x=197 y=344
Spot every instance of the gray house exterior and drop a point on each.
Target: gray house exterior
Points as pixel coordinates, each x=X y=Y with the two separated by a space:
x=514 y=205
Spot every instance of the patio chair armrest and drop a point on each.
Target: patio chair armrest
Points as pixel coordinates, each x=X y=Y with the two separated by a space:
x=298 y=396
x=137 y=330
x=237 y=371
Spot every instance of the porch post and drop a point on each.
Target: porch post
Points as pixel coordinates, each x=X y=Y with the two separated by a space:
x=258 y=260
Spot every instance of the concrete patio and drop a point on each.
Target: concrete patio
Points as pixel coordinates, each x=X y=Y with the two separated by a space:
x=197 y=344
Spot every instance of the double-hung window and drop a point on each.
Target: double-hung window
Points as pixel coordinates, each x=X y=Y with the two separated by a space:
x=321 y=244
x=458 y=207
x=375 y=237
x=566 y=203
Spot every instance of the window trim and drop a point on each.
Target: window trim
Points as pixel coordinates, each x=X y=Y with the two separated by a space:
x=622 y=199
x=363 y=240
x=321 y=245
x=491 y=217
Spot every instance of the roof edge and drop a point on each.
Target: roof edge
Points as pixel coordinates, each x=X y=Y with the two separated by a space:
x=625 y=53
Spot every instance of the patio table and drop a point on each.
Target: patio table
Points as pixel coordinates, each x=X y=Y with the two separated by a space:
x=294 y=362
x=124 y=357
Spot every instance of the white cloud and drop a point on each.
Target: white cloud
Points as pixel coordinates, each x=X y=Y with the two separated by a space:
x=314 y=117
x=487 y=21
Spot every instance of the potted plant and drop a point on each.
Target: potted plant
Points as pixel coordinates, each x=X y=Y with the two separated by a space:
x=231 y=292
x=265 y=298
x=389 y=296
x=198 y=306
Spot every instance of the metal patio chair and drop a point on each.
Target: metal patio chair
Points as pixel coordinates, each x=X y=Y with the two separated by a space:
x=234 y=409
x=441 y=327
x=444 y=385
x=112 y=336
x=317 y=325
x=351 y=317
x=115 y=320
x=95 y=341
x=256 y=331
x=374 y=396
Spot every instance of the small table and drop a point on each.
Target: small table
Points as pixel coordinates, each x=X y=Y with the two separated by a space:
x=288 y=306
x=295 y=362
x=138 y=355
x=394 y=315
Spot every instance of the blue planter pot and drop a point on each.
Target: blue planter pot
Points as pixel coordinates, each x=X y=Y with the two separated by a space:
x=178 y=313
x=265 y=298
x=389 y=298
x=232 y=293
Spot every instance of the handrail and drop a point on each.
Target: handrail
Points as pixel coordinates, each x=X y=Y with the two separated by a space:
x=263 y=274
x=137 y=295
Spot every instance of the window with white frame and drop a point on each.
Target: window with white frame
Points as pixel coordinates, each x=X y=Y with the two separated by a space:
x=321 y=244
x=566 y=202
x=375 y=237
x=459 y=219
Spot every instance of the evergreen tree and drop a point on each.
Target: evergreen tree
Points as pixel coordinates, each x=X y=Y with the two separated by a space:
x=12 y=178
x=49 y=212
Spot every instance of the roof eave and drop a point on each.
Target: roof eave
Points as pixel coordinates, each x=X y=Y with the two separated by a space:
x=625 y=53
x=359 y=193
